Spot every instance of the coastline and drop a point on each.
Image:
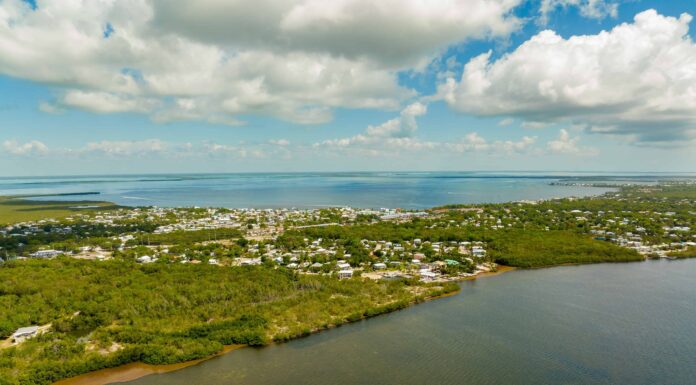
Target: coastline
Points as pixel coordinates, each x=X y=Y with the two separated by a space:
x=135 y=370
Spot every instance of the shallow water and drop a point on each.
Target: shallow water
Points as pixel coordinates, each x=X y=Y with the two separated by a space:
x=629 y=323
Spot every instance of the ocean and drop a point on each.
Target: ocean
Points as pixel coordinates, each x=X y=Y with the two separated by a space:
x=408 y=190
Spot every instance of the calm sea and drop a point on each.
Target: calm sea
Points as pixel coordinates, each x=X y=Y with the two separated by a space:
x=601 y=324
x=309 y=190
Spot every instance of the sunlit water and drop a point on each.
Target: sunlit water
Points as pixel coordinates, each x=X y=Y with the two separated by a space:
x=304 y=190
x=602 y=324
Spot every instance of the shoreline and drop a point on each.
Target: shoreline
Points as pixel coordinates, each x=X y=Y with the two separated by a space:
x=135 y=370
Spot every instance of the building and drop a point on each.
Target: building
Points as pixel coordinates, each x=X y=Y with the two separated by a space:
x=46 y=254
x=24 y=333
x=428 y=275
x=345 y=274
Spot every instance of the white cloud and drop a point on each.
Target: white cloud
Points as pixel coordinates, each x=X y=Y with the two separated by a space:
x=594 y=9
x=391 y=33
x=216 y=61
x=638 y=80
x=127 y=148
x=392 y=135
x=534 y=125
x=398 y=135
x=280 y=142
x=33 y=147
x=473 y=142
x=567 y=145
x=104 y=102
x=401 y=127
x=50 y=108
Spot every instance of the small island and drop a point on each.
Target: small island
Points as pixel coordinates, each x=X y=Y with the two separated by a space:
x=91 y=286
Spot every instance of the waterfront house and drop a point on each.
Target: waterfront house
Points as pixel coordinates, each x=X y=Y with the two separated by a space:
x=427 y=275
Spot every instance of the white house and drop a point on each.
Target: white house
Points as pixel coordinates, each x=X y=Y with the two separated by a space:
x=144 y=259
x=427 y=275
x=24 y=333
x=46 y=253
x=344 y=274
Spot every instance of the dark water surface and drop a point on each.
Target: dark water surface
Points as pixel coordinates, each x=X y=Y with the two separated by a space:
x=629 y=323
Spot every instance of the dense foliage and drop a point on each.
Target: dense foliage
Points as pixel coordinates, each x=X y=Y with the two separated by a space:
x=109 y=313
x=185 y=237
x=688 y=253
x=549 y=248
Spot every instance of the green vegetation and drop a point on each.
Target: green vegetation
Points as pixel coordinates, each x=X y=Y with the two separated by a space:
x=531 y=249
x=166 y=313
x=179 y=237
x=512 y=247
x=17 y=209
x=688 y=253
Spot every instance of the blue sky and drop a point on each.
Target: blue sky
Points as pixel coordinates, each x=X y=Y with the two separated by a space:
x=92 y=87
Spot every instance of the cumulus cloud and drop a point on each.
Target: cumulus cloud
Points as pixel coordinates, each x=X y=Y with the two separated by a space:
x=394 y=134
x=473 y=142
x=401 y=127
x=33 y=147
x=228 y=150
x=105 y=102
x=391 y=33
x=397 y=135
x=280 y=142
x=216 y=61
x=594 y=9
x=127 y=148
x=637 y=80
x=565 y=144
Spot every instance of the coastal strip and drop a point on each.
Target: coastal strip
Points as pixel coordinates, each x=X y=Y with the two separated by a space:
x=135 y=370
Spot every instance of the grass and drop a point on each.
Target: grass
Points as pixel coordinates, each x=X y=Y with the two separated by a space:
x=688 y=253
x=15 y=209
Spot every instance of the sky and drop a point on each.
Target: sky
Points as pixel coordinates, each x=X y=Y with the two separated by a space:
x=169 y=86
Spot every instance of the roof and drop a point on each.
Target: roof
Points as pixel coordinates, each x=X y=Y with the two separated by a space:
x=26 y=330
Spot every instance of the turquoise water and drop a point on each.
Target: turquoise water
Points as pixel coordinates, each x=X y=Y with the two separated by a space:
x=305 y=190
x=602 y=324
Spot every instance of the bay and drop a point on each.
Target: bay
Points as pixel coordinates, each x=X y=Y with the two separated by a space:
x=409 y=190
x=631 y=323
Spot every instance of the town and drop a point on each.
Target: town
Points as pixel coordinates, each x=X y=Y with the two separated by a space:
x=440 y=244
